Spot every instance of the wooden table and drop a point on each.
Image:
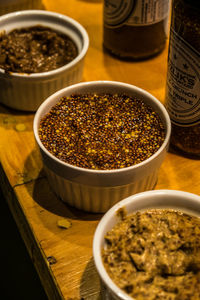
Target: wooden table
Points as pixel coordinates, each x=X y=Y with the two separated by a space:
x=63 y=257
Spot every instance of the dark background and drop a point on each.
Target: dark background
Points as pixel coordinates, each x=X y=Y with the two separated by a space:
x=19 y=279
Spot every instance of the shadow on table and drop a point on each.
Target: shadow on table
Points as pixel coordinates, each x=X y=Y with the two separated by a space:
x=45 y=197
x=90 y=283
x=176 y=151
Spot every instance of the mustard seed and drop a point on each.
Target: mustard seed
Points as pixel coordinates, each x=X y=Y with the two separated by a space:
x=101 y=131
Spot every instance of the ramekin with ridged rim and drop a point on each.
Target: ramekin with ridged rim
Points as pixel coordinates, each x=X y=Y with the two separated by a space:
x=27 y=91
x=164 y=199
x=97 y=190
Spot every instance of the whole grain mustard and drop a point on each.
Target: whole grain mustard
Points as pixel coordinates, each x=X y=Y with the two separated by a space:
x=101 y=131
x=155 y=255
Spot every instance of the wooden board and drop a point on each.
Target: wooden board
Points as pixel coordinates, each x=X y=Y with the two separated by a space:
x=63 y=257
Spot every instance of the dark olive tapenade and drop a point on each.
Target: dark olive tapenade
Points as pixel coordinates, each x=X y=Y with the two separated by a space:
x=35 y=49
x=155 y=255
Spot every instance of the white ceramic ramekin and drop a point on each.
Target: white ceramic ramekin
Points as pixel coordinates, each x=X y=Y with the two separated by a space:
x=27 y=91
x=7 y=6
x=98 y=190
x=179 y=200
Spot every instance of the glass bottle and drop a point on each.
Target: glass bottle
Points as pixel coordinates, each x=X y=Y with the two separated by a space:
x=183 y=76
x=135 y=29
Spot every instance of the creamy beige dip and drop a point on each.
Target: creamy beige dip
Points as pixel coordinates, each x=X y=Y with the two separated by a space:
x=155 y=255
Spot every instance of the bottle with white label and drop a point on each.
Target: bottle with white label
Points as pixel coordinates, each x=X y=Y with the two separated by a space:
x=183 y=76
x=135 y=29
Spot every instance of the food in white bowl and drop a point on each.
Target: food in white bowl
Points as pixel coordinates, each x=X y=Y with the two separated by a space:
x=23 y=85
x=35 y=49
x=102 y=131
x=147 y=246
x=97 y=143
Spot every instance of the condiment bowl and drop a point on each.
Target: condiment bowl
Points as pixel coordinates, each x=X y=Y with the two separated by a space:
x=27 y=91
x=97 y=190
x=164 y=199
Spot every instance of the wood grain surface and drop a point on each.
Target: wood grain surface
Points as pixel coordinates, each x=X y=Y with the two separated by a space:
x=63 y=256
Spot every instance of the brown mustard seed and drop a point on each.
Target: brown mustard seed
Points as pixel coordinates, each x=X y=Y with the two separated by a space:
x=101 y=131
